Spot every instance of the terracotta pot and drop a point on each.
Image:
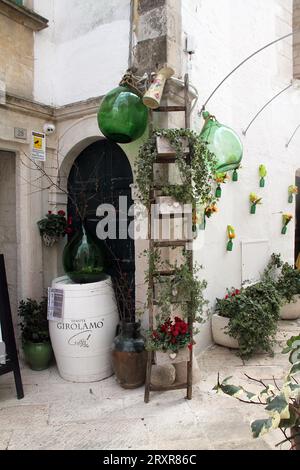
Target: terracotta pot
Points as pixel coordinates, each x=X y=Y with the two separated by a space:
x=291 y=311
x=219 y=325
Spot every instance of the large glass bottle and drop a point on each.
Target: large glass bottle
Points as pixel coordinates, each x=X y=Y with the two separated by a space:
x=223 y=142
x=122 y=116
x=83 y=258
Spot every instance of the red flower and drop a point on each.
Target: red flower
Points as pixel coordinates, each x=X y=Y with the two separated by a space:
x=237 y=292
x=226 y=297
x=190 y=346
x=49 y=212
x=61 y=213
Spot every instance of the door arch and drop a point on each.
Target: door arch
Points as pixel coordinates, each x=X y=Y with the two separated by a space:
x=100 y=175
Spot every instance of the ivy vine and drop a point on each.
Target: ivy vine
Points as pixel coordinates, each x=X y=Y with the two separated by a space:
x=196 y=175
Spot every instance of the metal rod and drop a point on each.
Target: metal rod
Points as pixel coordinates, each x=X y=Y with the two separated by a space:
x=264 y=107
x=293 y=135
x=242 y=63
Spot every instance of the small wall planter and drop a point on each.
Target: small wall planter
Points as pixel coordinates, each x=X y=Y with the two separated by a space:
x=169 y=357
x=291 y=311
x=219 y=325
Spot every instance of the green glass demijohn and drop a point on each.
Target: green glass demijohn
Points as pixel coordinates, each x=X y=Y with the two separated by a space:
x=223 y=142
x=83 y=258
x=122 y=116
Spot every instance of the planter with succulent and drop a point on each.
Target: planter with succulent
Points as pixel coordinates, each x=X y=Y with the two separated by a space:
x=286 y=219
x=292 y=191
x=35 y=333
x=254 y=201
x=53 y=227
x=252 y=314
x=281 y=402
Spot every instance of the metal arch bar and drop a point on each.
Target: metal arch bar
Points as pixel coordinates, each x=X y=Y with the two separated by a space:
x=264 y=107
x=242 y=63
x=293 y=135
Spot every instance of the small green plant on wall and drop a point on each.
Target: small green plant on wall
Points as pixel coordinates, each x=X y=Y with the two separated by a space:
x=231 y=237
x=220 y=178
x=286 y=219
x=262 y=174
x=293 y=190
x=254 y=201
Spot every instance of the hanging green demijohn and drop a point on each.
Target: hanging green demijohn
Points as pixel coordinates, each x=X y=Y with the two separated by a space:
x=122 y=116
x=83 y=258
x=223 y=142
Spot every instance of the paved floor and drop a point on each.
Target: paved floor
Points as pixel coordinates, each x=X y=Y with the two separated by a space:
x=59 y=415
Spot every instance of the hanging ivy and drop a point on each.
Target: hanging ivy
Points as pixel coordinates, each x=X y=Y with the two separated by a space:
x=200 y=172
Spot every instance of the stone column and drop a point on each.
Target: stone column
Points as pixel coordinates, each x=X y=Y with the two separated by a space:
x=296 y=41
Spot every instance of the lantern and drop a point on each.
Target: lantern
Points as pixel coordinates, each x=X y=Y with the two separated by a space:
x=223 y=142
x=122 y=116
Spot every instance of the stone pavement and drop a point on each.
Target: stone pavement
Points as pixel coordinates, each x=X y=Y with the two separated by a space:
x=56 y=414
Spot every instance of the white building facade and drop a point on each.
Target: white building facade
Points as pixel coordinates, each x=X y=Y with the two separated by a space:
x=70 y=62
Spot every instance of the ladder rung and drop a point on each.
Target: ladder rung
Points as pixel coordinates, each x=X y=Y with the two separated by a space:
x=167 y=109
x=175 y=386
x=162 y=244
x=164 y=273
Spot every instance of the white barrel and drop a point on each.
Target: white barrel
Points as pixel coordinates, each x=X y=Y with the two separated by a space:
x=82 y=340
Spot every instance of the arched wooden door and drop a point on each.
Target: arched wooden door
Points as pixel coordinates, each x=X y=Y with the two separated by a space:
x=100 y=175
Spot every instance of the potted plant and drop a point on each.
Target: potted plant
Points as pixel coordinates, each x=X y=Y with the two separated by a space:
x=35 y=333
x=281 y=402
x=251 y=318
x=171 y=340
x=288 y=285
x=52 y=227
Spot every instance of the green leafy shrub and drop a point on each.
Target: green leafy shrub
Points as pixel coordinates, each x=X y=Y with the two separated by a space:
x=253 y=314
x=54 y=225
x=34 y=324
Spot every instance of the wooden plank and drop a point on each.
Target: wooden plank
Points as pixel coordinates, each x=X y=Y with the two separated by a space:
x=170 y=243
x=168 y=109
x=165 y=149
x=175 y=386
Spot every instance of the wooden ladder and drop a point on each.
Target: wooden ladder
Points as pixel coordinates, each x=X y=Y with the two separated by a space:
x=153 y=244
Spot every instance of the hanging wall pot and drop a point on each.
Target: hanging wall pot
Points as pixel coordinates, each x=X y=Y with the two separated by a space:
x=292 y=190
x=231 y=237
x=254 y=201
x=220 y=178
x=286 y=219
x=153 y=96
x=122 y=116
x=223 y=142
x=262 y=174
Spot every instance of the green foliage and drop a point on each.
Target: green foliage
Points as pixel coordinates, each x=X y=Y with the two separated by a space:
x=34 y=324
x=286 y=278
x=253 y=314
x=54 y=225
x=184 y=286
x=288 y=283
x=201 y=170
x=282 y=404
